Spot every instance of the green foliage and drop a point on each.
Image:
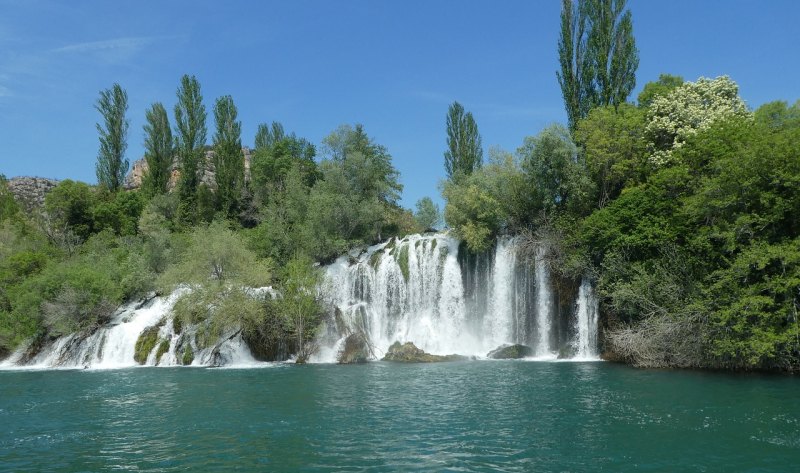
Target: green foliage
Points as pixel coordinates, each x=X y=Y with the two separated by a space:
x=662 y=87
x=614 y=149
x=159 y=150
x=275 y=155
x=228 y=157
x=69 y=206
x=298 y=304
x=427 y=216
x=111 y=163
x=556 y=178
x=217 y=255
x=753 y=305
x=8 y=205
x=492 y=200
x=464 y=152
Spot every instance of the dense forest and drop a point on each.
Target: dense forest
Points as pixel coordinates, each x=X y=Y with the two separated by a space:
x=681 y=205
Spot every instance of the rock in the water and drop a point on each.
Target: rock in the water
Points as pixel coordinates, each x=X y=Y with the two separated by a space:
x=355 y=349
x=409 y=353
x=510 y=352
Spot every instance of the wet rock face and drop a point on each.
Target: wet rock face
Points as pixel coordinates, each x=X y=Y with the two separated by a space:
x=409 y=353
x=30 y=191
x=355 y=350
x=510 y=352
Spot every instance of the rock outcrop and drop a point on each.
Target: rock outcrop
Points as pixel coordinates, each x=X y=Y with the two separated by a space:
x=139 y=168
x=510 y=352
x=409 y=353
x=355 y=350
x=30 y=191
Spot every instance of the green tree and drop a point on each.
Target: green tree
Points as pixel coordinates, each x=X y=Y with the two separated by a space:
x=159 y=150
x=8 y=205
x=598 y=55
x=614 y=148
x=492 y=200
x=576 y=74
x=464 y=152
x=268 y=135
x=299 y=304
x=228 y=157
x=275 y=154
x=427 y=215
x=111 y=163
x=190 y=139
x=557 y=179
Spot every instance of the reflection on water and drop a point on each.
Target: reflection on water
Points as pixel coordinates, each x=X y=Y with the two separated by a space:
x=471 y=416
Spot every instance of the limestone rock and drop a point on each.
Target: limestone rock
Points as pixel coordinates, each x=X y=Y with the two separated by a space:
x=139 y=168
x=355 y=350
x=409 y=353
x=510 y=352
x=30 y=191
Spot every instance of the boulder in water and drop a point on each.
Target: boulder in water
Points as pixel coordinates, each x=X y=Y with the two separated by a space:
x=409 y=353
x=510 y=352
x=355 y=349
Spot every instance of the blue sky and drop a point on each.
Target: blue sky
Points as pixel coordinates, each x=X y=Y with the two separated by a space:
x=313 y=65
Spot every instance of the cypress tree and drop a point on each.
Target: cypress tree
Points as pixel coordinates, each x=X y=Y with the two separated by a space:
x=464 y=152
x=597 y=54
x=159 y=150
x=190 y=138
x=228 y=157
x=111 y=163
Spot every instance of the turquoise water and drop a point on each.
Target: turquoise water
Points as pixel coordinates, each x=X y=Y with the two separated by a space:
x=470 y=416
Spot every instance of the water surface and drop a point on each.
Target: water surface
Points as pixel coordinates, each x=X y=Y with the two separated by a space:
x=469 y=416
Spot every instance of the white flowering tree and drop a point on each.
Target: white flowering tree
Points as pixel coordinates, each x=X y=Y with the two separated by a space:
x=688 y=109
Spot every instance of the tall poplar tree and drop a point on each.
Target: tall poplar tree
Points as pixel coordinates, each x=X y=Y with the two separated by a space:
x=228 y=157
x=159 y=150
x=190 y=138
x=111 y=163
x=597 y=54
x=464 y=152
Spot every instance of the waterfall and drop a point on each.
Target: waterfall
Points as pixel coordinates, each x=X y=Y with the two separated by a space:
x=543 y=306
x=586 y=322
x=114 y=344
x=425 y=289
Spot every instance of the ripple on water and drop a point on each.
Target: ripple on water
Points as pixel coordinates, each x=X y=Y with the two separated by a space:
x=509 y=416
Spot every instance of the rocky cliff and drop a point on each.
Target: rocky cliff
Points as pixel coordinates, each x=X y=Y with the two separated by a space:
x=139 y=169
x=30 y=191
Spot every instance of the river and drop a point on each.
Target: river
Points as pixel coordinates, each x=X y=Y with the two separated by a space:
x=463 y=416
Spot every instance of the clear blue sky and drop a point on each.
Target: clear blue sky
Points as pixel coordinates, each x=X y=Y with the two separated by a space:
x=393 y=66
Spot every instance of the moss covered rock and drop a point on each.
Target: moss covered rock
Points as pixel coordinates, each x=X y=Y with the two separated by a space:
x=409 y=353
x=145 y=343
x=509 y=352
x=188 y=356
x=163 y=347
x=354 y=350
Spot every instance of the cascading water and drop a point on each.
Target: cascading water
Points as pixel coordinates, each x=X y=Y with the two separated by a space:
x=420 y=289
x=586 y=322
x=114 y=344
x=543 y=306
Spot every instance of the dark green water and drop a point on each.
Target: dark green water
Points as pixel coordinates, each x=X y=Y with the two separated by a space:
x=471 y=416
